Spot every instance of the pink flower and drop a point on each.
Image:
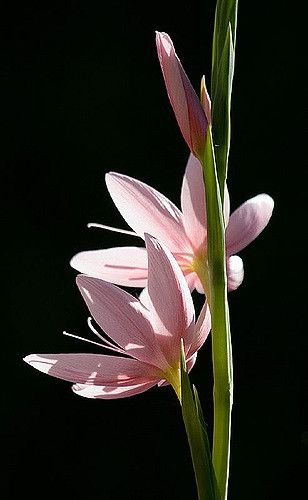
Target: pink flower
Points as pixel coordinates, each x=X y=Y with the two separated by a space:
x=183 y=232
x=146 y=339
x=192 y=118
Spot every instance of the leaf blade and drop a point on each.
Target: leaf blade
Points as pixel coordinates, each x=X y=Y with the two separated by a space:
x=197 y=438
x=221 y=110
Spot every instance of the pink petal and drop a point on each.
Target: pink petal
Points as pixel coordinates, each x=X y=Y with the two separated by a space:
x=124 y=319
x=109 y=391
x=202 y=329
x=184 y=100
x=198 y=285
x=247 y=222
x=126 y=266
x=94 y=369
x=147 y=210
x=145 y=299
x=193 y=203
x=191 y=279
x=173 y=309
x=235 y=272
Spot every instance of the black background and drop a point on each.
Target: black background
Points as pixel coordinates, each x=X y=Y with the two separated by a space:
x=83 y=94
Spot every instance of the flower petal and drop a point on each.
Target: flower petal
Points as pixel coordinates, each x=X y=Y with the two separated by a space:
x=193 y=203
x=247 y=222
x=235 y=272
x=201 y=331
x=148 y=211
x=192 y=280
x=94 y=369
x=109 y=391
x=186 y=104
x=173 y=310
x=126 y=266
x=124 y=319
x=144 y=298
x=198 y=285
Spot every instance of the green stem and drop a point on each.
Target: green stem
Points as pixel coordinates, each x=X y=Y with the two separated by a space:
x=223 y=389
x=222 y=372
x=221 y=338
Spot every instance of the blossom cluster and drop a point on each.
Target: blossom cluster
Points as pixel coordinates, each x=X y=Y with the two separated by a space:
x=145 y=334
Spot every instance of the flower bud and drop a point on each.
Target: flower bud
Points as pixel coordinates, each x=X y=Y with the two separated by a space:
x=191 y=115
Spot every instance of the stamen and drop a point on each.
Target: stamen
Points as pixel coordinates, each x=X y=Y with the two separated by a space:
x=115 y=349
x=89 y=321
x=113 y=345
x=81 y=338
x=114 y=229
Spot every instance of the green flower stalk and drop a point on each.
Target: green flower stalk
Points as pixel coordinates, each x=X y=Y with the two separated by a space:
x=215 y=173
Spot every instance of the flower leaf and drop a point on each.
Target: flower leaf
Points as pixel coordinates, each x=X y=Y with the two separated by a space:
x=225 y=15
x=197 y=438
x=221 y=109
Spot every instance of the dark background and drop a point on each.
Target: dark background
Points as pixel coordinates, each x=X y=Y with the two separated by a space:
x=83 y=94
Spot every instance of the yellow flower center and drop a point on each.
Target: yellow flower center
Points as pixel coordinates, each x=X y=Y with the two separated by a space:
x=200 y=266
x=173 y=376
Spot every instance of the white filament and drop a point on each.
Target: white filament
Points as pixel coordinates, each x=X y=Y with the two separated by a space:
x=113 y=345
x=114 y=229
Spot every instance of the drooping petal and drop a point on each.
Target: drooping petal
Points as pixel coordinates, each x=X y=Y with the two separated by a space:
x=124 y=319
x=109 y=391
x=94 y=369
x=193 y=203
x=247 y=222
x=172 y=313
x=186 y=105
x=201 y=331
x=235 y=272
x=148 y=211
x=126 y=266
